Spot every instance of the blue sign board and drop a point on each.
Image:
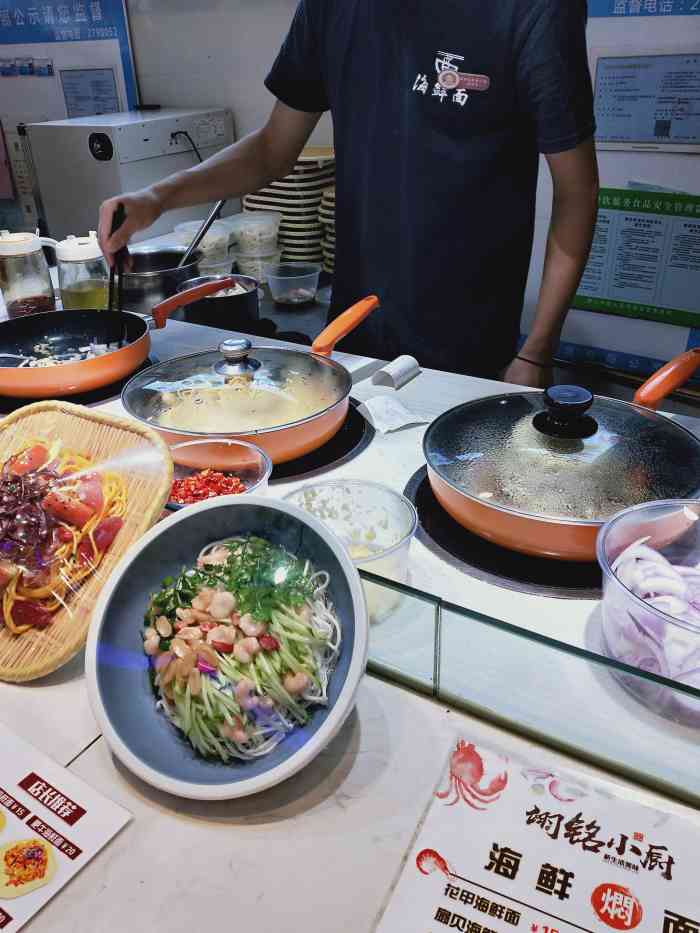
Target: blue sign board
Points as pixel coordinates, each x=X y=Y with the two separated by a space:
x=644 y=7
x=28 y=22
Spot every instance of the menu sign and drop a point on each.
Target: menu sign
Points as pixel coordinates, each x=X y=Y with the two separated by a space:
x=51 y=825
x=510 y=846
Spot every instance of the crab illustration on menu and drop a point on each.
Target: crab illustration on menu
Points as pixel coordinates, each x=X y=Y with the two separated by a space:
x=508 y=846
x=51 y=825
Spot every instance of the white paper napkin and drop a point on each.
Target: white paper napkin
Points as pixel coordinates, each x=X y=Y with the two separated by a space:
x=387 y=414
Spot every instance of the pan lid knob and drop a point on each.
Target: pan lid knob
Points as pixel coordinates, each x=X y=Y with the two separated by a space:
x=235 y=358
x=566 y=416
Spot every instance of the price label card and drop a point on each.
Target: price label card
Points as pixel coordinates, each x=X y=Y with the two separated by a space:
x=509 y=846
x=51 y=825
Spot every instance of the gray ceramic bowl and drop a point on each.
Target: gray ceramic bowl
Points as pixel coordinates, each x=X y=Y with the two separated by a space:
x=119 y=686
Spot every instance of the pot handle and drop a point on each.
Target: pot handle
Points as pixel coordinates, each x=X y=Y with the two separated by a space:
x=343 y=325
x=667 y=379
x=162 y=311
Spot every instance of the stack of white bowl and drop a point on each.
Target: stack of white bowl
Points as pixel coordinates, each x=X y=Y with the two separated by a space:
x=297 y=197
x=326 y=215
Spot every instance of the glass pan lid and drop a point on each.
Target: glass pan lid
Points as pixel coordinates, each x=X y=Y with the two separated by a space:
x=236 y=390
x=509 y=451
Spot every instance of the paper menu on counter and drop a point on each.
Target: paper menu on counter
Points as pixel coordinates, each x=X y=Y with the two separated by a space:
x=51 y=826
x=509 y=846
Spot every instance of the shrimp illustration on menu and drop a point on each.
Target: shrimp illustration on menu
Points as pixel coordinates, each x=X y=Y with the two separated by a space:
x=511 y=846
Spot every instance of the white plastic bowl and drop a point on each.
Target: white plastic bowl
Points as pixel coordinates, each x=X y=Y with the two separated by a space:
x=376 y=525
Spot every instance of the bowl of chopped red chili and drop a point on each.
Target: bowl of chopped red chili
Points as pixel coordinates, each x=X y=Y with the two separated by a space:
x=250 y=470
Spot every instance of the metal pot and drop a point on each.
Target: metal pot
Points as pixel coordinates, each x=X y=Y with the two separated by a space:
x=227 y=312
x=154 y=276
x=289 y=402
x=540 y=472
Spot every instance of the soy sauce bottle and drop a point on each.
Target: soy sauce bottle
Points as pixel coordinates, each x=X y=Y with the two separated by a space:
x=25 y=280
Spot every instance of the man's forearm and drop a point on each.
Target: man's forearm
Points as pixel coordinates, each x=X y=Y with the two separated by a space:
x=259 y=158
x=231 y=173
x=568 y=245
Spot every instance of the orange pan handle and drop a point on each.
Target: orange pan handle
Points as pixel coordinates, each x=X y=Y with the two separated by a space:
x=162 y=311
x=343 y=325
x=667 y=379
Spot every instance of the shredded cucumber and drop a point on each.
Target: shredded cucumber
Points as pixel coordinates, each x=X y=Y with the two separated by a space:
x=286 y=595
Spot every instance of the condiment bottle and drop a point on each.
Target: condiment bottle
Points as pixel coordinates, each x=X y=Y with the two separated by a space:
x=83 y=275
x=25 y=280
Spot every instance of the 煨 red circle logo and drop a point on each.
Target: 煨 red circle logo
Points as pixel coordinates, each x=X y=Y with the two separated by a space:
x=616 y=906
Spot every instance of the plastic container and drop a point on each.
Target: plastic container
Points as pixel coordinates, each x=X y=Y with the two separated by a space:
x=214 y=246
x=293 y=283
x=375 y=524
x=256 y=266
x=83 y=275
x=246 y=461
x=639 y=634
x=255 y=232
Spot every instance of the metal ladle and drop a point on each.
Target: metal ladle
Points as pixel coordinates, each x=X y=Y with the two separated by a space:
x=201 y=233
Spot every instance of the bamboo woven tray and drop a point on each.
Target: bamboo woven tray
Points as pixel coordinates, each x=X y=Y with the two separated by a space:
x=148 y=478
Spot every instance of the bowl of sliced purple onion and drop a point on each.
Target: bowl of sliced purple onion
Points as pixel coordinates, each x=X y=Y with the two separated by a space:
x=650 y=557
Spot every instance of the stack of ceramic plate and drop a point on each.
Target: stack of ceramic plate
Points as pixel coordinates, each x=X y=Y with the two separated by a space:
x=298 y=198
x=326 y=215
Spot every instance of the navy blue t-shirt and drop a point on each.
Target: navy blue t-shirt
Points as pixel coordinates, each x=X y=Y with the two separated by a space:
x=440 y=108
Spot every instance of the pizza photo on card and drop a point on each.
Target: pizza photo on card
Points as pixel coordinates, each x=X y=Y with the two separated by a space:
x=25 y=865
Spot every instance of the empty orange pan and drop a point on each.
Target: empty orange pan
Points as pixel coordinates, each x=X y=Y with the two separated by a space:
x=76 y=336
x=301 y=398
x=540 y=472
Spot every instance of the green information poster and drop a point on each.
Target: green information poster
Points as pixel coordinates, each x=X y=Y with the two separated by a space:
x=645 y=258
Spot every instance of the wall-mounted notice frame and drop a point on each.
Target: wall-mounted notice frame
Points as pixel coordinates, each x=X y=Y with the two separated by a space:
x=643 y=7
x=24 y=22
x=645 y=258
x=647 y=101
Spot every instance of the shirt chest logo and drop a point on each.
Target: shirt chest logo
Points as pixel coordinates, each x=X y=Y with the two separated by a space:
x=451 y=82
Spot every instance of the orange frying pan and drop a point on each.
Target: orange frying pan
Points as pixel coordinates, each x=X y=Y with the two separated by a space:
x=463 y=468
x=63 y=334
x=142 y=395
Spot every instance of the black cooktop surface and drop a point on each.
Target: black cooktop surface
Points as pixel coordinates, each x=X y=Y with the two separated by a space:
x=354 y=437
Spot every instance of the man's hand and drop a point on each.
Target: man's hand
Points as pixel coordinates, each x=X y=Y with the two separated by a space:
x=525 y=374
x=142 y=209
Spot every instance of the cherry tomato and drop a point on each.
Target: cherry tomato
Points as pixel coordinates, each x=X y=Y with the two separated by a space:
x=25 y=612
x=33 y=458
x=104 y=535
x=64 y=535
x=222 y=646
x=67 y=508
x=268 y=643
x=106 y=532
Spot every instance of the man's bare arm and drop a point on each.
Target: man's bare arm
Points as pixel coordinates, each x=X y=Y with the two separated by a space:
x=574 y=210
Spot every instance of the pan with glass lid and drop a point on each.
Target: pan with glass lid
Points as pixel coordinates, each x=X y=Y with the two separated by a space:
x=287 y=401
x=541 y=472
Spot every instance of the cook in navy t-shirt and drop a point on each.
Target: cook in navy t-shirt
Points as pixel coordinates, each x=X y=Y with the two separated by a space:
x=440 y=108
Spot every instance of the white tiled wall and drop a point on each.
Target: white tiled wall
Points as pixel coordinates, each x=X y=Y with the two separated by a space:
x=200 y=53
